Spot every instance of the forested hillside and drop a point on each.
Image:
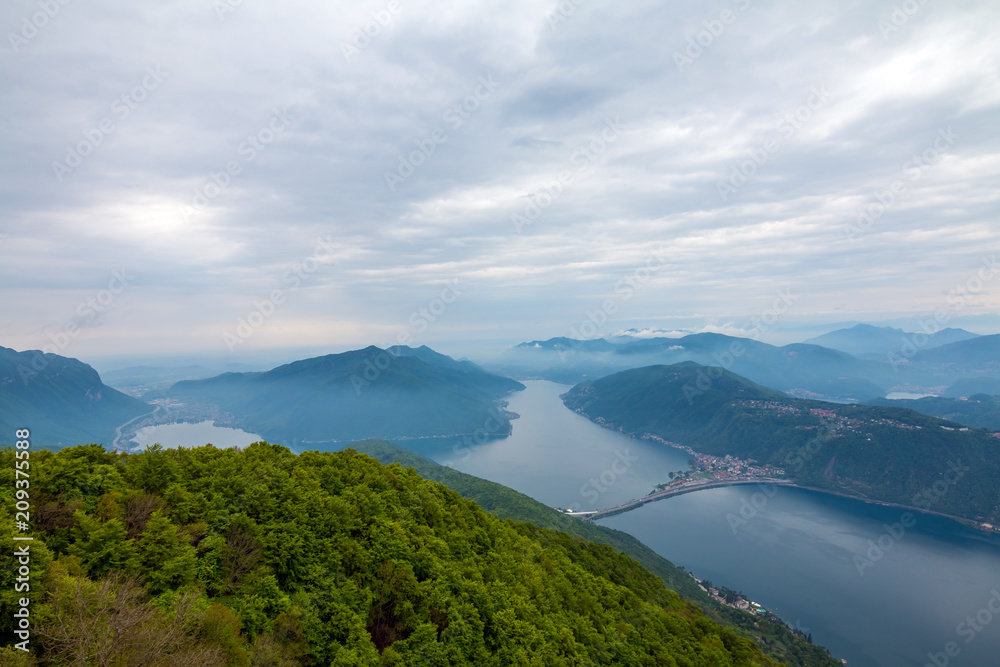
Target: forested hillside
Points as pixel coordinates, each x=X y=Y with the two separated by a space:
x=775 y=638
x=369 y=393
x=889 y=454
x=260 y=557
x=63 y=399
x=977 y=411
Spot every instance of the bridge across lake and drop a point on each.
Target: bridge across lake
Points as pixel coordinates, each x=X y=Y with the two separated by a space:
x=593 y=515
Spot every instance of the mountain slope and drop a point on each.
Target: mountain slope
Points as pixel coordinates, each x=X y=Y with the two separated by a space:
x=266 y=558
x=807 y=370
x=976 y=411
x=568 y=345
x=61 y=400
x=356 y=395
x=800 y=369
x=888 y=454
x=866 y=339
x=978 y=354
x=973 y=385
x=775 y=638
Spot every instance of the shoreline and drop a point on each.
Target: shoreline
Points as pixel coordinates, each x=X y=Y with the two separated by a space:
x=968 y=523
x=788 y=484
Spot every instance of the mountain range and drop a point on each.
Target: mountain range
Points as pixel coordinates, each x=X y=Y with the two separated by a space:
x=804 y=370
x=808 y=370
x=969 y=386
x=406 y=393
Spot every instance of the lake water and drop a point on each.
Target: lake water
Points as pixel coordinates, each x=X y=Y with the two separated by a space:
x=796 y=555
x=563 y=459
x=194 y=435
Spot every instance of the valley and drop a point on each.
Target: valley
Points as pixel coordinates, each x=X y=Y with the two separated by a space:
x=627 y=449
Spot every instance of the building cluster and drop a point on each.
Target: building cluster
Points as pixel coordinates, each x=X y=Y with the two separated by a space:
x=706 y=467
x=776 y=406
x=731 y=598
x=854 y=424
x=731 y=467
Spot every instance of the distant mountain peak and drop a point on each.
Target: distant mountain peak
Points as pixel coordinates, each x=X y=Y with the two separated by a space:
x=871 y=341
x=402 y=392
x=61 y=399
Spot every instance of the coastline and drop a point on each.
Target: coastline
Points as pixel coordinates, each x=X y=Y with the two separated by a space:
x=968 y=523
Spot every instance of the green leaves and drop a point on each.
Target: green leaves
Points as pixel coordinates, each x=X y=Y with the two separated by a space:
x=164 y=556
x=105 y=547
x=335 y=559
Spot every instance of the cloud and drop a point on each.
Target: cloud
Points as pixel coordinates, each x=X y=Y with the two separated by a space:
x=206 y=130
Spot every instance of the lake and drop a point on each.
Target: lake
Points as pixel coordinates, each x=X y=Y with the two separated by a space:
x=561 y=458
x=194 y=435
x=795 y=555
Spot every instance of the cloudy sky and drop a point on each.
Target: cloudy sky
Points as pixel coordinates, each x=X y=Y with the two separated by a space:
x=241 y=176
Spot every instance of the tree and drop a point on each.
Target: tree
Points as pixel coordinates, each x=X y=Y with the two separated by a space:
x=167 y=560
x=106 y=548
x=107 y=623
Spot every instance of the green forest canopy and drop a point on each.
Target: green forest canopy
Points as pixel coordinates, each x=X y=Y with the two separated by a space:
x=223 y=557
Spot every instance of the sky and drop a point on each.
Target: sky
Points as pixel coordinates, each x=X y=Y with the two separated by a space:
x=235 y=177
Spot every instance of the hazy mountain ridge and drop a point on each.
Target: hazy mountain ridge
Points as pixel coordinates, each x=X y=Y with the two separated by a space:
x=804 y=370
x=879 y=342
x=61 y=400
x=367 y=393
x=971 y=386
x=807 y=369
x=981 y=354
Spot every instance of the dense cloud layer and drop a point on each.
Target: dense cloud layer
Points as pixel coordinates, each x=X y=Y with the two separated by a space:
x=653 y=164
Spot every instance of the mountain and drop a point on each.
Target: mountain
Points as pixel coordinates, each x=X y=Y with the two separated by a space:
x=561 y=359
x=799 y=369
x=973 y=385
x=976 y=411
x=980 y=354
x=803 y=370
x=881 y=453
x=150 y=382
x=369 y=393
x=774 y=637
x=879 y=342
x=568 y=345
x=62 y=401
x=259 y=557
x=484 y=378
x=632 y=335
